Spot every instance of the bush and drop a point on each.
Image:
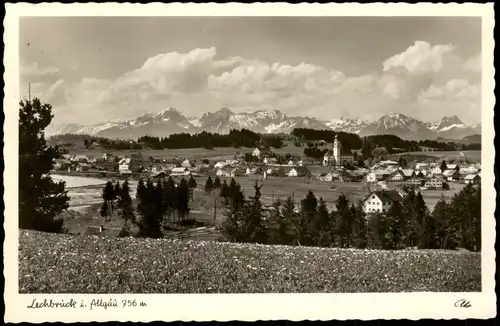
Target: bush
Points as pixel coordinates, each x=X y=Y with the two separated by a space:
x=55 y=263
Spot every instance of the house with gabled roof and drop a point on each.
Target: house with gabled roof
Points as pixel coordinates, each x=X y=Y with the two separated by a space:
x=451 y=175
x=472 y=178
x=380 y=201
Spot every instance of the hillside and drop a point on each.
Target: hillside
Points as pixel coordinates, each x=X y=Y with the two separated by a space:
x=54 y=263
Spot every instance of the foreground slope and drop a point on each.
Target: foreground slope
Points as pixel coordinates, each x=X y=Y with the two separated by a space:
x=52 y=263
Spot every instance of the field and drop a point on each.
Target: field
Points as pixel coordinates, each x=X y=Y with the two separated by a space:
x=52 y=263
x=448 y=156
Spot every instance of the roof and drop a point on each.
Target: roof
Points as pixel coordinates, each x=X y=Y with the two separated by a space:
x=125 y=160
x=62 y=160
x=389 y=162
x=449 y=173
x=84 y=164
x=451 y=166
x=435 y=177
x=407 y=172
x=179 y=169
x=470 y=176
x=387 y=195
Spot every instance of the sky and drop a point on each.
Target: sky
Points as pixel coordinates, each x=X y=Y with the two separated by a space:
x=95 y=69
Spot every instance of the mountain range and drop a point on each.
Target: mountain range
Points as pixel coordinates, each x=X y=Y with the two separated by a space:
x=170 y=121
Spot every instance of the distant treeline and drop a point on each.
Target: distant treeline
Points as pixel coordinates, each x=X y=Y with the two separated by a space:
x=247 y=138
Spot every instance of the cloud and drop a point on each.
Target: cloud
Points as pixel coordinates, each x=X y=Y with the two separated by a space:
x=34 y=70
x=416 y=82
x=474 y=64
x=421 y=57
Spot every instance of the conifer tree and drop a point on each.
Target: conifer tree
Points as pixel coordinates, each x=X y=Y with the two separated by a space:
x=378 y=231
x=426 y=226
x=285 y=231
x=125 y=204
x=344 y=222
x=359 y=228
x=444 y=166
x=253 y=227
x=192 y=185
x=322 y=226
x=182 y=199
x=116 y=191
x=224 y=193
x=217 y=183
x=445 y=236
x=232 y=227
x=107 y=195
x=41 y=199
x=209 y=185
x=396 y=226
x=169 y=198
x=307 y=213
x=467 y=217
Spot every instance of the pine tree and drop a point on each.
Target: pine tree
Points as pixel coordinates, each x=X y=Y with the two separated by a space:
x=107 y=195
x=224 y=193
x=444 y=166
x=253 y=226
x=209 y=185
x=396 y=226
x=467 y=217
x=116 y=191
x=378 y=231
x=149 y=224
x=322 y=226
x=192 y=185
x=426 y=226
x=235 y=209
x=217 y=183
x=445 y=236
x=359 y=227
x=182 y=199
x=344 y=222
x=125 y=204
x=41 y=199
x=307 y=213
x=169 y=198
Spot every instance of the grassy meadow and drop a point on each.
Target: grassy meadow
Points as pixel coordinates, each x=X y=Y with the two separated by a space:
x=55 y=263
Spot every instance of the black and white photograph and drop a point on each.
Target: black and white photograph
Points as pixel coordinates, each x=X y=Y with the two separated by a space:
x=250 y=154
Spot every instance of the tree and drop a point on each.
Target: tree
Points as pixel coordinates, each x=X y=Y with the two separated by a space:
x=182 y=199
x=125 y=204
x=380 y=153
x=402 y=162
x=359 y=228
x=107 y=195
x=378 y=231
x=234 y=201
x=169 y=197
x=41 y=199
x=444 y=166
x=149 y=208
x=467 y=217
x=321 y=226
x=217 y=183
x=253 y=226
x=307 y=213
x=209 y=185
x=396 y=226
x=444 y=236
x=192 y=185
x=116 y=191
x=225 y=192
x=344 y=222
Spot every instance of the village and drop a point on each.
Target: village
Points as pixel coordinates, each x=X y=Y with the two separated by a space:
x=384 y=179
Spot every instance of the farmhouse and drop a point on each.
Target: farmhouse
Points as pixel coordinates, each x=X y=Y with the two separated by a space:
x=472 y=178
x=186 y=163
x=396 y=176
x=451 y=175
x=61 y=164
x=80 y=158
x=297 y=172
x=407 y=173
x=436 y=170
x=426 y=149
x=451 y=166
x=371 y=177
x=180 y=171
x=256 y=152
x=468 y=169
x=420 y=166
x=434 y=183
x=82 y=167
x=220 y=165
x=381 y=201
x=414 y=182
x=124 y=165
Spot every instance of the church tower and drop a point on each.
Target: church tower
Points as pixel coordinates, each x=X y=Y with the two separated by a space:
x=336 y=151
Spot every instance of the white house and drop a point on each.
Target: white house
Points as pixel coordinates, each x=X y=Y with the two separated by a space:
x=256 y=152
x=451 y=166
x=300 y=163
x=468 y=169
x=179 y=171
x=381 y=201
x=408 y=173
x=434 y=183
x=220 y=165
x=450 y=175
x=326 y=177
x=371 y=177
x=291 y=163
x=124 y=165
x=186 y=163
x=292 y=172
x=420 y=166
x=472 y=178
x=436 y=170
x=397 y=176
x=265 y=161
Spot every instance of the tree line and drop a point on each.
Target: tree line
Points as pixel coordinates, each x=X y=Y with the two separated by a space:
x=407 y=224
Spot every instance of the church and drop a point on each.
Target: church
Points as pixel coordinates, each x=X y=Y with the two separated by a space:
x=337 y=156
